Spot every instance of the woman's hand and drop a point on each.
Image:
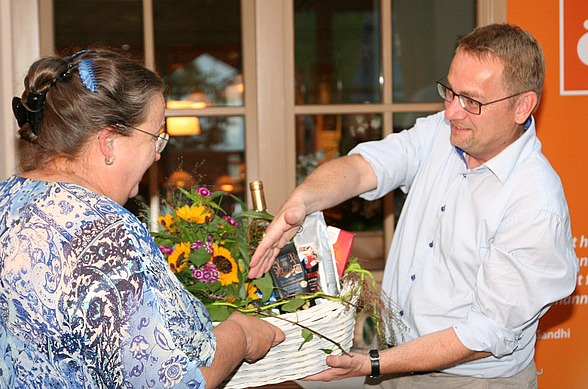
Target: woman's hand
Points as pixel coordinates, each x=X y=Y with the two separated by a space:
x=240 y=337
x=260 y=335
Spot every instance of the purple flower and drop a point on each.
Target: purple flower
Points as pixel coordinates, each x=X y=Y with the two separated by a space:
x=207 y=274
x=230 y=220
x=203 y=192
x=166 y=250
x=196 y=245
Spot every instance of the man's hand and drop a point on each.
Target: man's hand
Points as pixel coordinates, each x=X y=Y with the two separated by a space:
x=283 y=228
x=344 y=366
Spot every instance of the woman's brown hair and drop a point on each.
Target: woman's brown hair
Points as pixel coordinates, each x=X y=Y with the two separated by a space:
x=72 y=113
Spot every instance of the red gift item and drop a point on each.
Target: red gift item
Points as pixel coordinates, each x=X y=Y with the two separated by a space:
x=342 y=241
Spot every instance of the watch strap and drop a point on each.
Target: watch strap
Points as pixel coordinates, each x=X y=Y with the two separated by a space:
x=375 y=359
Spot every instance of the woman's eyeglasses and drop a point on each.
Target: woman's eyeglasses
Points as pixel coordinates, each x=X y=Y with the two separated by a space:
x=161 y=139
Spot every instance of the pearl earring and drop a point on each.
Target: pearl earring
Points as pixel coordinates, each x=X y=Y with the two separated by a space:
x=109 y=161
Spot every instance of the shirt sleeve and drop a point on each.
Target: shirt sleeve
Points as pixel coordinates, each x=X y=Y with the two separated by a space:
x=528 y=265
x=396 y=158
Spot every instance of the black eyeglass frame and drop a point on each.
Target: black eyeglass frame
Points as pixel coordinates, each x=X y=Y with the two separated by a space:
x=441 y=88
x=161 y=139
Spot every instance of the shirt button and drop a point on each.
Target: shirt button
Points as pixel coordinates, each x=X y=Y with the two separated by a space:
x=464 y=176
x=443 y=208
x=431 y=244
x=413 y=277
x=401 y=313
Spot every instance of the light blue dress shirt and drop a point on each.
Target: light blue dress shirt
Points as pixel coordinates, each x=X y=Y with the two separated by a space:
x=485 y=251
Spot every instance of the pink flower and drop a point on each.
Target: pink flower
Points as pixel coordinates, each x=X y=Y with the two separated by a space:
x=166 y=250
x=203 y=192
x=230 y=220
x=207 y=274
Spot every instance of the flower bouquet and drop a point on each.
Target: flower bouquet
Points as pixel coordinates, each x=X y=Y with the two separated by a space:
x=209 y=252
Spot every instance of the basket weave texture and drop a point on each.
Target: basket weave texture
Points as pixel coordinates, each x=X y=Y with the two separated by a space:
x=332 y=319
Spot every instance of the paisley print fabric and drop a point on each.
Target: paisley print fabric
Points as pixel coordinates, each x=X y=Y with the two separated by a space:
x=87 y=300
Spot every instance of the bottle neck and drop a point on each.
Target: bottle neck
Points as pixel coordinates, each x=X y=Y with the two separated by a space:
x=258 y=201
x=257 y=196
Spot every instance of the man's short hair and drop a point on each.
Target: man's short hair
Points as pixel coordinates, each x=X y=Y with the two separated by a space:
x=519 y=52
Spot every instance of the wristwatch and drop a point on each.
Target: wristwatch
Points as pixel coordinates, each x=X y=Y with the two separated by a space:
x=375 y=358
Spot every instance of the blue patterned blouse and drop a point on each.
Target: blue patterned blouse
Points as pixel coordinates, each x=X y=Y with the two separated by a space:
x=86 y=298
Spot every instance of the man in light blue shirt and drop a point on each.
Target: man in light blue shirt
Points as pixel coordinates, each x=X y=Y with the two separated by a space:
x=483 y=246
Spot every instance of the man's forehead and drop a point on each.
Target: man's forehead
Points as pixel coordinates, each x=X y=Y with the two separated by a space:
x=472 y=75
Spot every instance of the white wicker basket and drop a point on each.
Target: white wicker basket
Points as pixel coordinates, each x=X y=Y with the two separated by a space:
x=284 y=362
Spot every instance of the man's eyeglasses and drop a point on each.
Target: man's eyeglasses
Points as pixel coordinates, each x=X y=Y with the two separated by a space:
x=161 y=139
x=467 y=103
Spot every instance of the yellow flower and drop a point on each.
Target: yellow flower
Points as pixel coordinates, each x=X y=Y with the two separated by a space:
x=194 y=214
x=226 y=265
x=166 y=221
x=174 y=259
x=251 y=289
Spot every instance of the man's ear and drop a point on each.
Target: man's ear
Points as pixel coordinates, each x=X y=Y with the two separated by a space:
x=107 y=142
x=525 y=106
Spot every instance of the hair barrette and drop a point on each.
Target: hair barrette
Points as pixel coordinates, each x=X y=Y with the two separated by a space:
x=86 y=70
x=32 y=113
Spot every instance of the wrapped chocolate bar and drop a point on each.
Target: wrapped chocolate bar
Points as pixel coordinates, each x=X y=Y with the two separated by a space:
x=288 y=274
x=314 y=243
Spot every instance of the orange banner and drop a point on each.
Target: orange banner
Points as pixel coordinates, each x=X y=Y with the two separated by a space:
x=573 y=25
x=562 y=127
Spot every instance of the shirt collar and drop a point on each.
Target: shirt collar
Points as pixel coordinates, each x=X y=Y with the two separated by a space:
x=503 y=164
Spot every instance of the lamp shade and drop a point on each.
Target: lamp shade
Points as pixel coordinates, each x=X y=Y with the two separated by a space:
x=182 y=125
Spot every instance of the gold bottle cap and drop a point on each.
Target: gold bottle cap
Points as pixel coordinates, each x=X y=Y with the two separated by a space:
x=256 y=185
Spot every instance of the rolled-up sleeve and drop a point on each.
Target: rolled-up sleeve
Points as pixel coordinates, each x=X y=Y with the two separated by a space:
x=529 y=264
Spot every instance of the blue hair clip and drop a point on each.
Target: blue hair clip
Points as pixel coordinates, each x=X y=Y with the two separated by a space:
x=79 y=53
x=86 y=70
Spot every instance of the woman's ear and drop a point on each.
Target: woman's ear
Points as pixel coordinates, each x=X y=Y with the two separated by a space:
x=107 y=139
x=525 y=107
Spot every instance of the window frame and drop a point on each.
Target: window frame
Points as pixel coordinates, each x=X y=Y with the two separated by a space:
x=268 y=106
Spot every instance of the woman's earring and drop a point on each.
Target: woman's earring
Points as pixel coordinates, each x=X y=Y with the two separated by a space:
x=109 y=161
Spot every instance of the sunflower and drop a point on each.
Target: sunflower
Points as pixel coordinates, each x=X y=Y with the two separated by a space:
x=194 y=214
x=251 y=289
x=225 y=264
x=174 y=259
x=166 y=221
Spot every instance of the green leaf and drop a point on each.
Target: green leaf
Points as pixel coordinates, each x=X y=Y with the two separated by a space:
x=326 y=350
x=199 y=257
x=218 y=312
x=307 y=335
x=257 y=215
x=243 y=247
x=197 y=287
x=293 y=305
x=265 y=286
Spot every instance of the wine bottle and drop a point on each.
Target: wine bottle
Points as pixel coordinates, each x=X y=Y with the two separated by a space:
x=257 y=226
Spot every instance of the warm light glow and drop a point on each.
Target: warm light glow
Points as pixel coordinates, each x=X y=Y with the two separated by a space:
x=227 y=187
x=182 y=125
x=185 y=104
